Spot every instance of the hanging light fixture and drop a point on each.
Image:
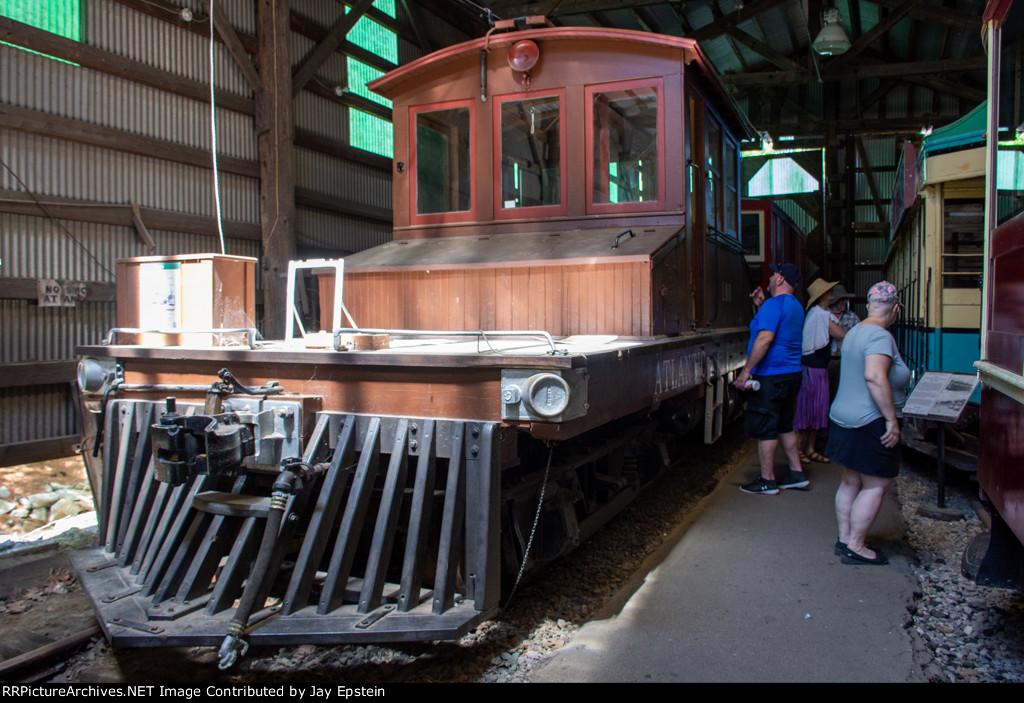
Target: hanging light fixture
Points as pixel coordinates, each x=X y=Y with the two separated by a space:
x=832 y=39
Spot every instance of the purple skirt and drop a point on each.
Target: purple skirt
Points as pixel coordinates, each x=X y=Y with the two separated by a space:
x=812 y=402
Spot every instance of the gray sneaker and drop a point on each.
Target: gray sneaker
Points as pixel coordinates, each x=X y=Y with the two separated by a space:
x=762 y=486
x=795 y=479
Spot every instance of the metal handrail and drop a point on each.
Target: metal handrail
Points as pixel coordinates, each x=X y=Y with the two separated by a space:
x=250 y=331
x=1006 y=382
x=479 y=334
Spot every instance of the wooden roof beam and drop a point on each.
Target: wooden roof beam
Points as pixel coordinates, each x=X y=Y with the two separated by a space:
x=169 y=12
x=886 y=85
x=763 y=49
x=412 y=11
x=950 y=87
x=869 y=173
x=865 y=70
x=103 y=61
x=507 y=9
x=18 y=202
x=865 y=40
x=234 y=44
x=937 y=14
x=304 y=73
x=385 y=20
x=733 y=19
x=29 y=121
x=892 y=126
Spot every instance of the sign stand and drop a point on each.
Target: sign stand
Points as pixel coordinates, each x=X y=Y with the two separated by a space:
x=941 y=397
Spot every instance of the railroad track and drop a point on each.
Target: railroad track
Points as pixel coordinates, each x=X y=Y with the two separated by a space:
x=41 y=649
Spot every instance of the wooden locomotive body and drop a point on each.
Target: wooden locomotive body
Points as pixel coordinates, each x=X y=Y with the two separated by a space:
x=586 y=201
x=565 y=278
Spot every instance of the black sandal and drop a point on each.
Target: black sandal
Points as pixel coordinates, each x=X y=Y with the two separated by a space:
x=851 y=557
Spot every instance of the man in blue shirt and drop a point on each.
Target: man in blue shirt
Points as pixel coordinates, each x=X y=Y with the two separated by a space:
x=773 y=360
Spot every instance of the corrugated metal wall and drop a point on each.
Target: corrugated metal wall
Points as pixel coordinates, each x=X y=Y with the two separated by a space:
x=56 y=169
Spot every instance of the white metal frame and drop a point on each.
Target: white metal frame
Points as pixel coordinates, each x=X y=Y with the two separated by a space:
x=292 y=313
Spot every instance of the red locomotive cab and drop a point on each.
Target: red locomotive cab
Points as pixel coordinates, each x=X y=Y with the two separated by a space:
x=564 y=203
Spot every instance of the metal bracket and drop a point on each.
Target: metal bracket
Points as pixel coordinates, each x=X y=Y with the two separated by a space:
x=113 y=597
x=373 y=617
x=140 y=626
x=99 y=567
x=173 y=611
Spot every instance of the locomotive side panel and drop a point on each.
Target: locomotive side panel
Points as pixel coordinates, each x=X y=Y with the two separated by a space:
x=604 y=298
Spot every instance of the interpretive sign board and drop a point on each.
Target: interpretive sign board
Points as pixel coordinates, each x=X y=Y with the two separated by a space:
x=940 y=396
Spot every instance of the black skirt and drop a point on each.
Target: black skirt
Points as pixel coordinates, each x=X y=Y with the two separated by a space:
x=860 y=449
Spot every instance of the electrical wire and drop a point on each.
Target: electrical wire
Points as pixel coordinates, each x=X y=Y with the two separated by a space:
x=197 y=19
x=484 y=11
x=213 y=139
x=46 y=212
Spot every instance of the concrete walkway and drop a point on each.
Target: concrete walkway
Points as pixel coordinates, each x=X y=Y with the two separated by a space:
x=752 y=591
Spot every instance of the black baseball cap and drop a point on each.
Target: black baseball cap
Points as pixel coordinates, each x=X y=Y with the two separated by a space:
x=789 y=271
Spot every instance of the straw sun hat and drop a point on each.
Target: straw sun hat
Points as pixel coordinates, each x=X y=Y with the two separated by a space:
x=817 y=289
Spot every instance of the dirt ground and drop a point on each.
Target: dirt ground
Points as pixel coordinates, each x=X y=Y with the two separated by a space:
x=40 y=599
x=28 y=479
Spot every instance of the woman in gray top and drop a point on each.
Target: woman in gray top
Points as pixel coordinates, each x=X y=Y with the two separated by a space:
x=864 y=432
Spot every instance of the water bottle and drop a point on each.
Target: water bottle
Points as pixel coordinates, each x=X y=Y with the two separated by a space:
x=752 y=384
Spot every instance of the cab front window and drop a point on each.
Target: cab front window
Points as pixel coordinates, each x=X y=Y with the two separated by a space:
x=443 y=151
x=530 y=133
x=625 y=144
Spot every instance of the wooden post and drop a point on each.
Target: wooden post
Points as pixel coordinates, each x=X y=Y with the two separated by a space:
x=276 y=152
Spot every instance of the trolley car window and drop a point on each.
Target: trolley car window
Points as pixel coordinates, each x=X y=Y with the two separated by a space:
x=713 y=201
x=625 y=127
x=963 y=228
x=732 y=200
x=722 y=190
x=531 y=152
x=443 y=173
x=753 y=236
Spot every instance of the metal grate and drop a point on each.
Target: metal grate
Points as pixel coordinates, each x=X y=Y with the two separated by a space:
x=394 y=540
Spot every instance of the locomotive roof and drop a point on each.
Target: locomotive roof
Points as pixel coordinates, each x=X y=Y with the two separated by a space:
x=407 y=77
x=517 y=249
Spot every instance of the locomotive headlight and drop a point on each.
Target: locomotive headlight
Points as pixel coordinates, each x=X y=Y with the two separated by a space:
x=546 y=394
x=96 y=375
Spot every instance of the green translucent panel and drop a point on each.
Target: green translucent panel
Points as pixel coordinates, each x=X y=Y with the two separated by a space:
x=781 y=177
x=367 y=131
x=62 y=17
x=371 y=36
x=1010 y=170
x=386 y=6
x=371 y=133
x=359 y=74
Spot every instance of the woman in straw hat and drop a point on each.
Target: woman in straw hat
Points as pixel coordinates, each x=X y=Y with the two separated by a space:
x=840 y=313
x=812 y=402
